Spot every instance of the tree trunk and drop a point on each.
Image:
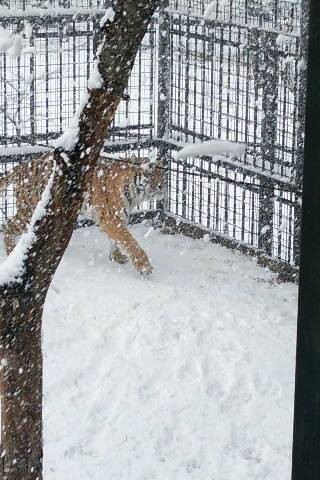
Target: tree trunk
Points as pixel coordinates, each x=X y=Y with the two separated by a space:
x=21 y=407
x=22 y=299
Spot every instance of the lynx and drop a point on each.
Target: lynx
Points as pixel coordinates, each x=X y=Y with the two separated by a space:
x=115 y=188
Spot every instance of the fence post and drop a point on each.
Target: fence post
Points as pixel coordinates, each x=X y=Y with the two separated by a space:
x=298 y=166
x=163 y=86
x=268 y=140
x=32 y=89
x=306 y=435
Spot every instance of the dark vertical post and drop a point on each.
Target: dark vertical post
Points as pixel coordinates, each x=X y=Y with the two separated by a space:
x=163 y=84
x=164 y=70
x=187 y=102
x=306 y=437
x=268 y=140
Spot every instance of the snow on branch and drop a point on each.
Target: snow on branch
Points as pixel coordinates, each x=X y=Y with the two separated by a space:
x=69 y=138
x=107 y=17
x=13 y=267
x=212 y=148
x=96 y=80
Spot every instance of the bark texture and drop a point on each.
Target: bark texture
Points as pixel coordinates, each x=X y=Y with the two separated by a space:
x=22 y=300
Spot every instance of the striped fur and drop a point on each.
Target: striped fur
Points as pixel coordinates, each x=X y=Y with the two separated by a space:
x=116 y=187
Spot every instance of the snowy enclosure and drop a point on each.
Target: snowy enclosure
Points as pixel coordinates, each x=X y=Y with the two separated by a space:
x=189 y=373
x=190 y=376
x=207 y=70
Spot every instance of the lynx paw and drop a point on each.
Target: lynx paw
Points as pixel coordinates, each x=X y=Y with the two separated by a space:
x=143 y=265
x=119 y=257
x=146 y=271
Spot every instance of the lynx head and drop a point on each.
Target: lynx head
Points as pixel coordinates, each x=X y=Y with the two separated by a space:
x=152 y=177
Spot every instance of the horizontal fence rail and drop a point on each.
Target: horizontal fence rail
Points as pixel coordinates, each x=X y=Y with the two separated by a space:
x=206 y=70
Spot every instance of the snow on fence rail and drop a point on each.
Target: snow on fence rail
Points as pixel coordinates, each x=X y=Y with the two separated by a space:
x=207 y=70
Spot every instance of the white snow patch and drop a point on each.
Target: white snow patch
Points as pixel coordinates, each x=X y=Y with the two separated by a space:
x=265 y=229
x=149 y=232
x=69 y=138
x=16 y=48
x=27 y=30
x=302 y=65
x=95 y=80
x=186 y=376
x=48 y=11
x=12 y=44
x=284 y=225
x=212 y=148
x=5 y=40
x=216 y=9
x=123 y=123
x=13 y=266
x=107 y=17
x=24 y=150
x=206 y=238
x=282 y=39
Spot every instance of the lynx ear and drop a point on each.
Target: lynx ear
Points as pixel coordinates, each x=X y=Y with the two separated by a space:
x=159 y=162
x=147 y=165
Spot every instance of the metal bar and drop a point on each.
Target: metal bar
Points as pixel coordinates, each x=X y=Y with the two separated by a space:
x=32 y=92
x=301 y=100
x=234 y=206
x=209 y=201
x=220 y=85
x=194 y=89
x=5 y=94
x=74 y=71
x=268 y=139
x=252 y=217
x=152 y=78
x=226 y=204
x=47 y=83
x=164 y=69
x=164 y=96
x=60 y=97
x=243 y=214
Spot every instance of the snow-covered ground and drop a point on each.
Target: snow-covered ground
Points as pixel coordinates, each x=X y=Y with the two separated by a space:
x=186 y=375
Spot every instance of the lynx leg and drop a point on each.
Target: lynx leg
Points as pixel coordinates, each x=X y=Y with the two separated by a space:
x=116 y=231
x=116 y=255
x=9 y=235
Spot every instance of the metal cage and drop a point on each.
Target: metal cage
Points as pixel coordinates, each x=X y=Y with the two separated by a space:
x=206 y=70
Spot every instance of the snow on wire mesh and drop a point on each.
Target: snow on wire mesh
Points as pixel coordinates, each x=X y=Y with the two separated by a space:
x=212 y=148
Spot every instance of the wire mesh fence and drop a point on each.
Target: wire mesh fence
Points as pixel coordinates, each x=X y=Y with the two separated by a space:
x=41 y=89
x=231 y=70
x=237 y=73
